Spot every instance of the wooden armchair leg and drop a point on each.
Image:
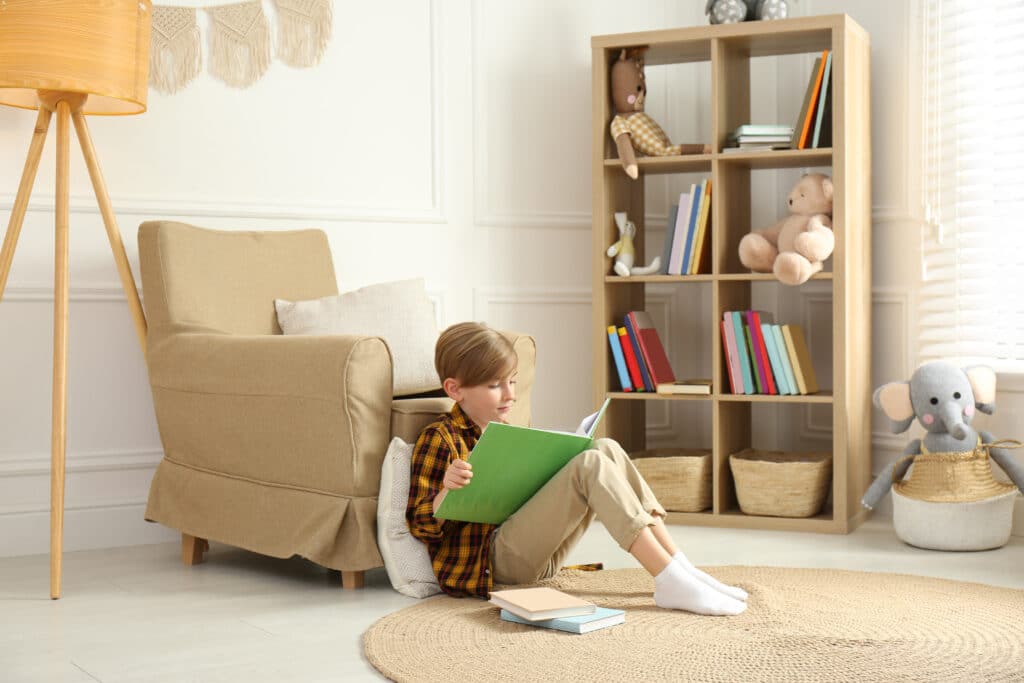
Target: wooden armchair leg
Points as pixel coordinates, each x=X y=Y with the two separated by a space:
x=352 y=580
x=192 y=549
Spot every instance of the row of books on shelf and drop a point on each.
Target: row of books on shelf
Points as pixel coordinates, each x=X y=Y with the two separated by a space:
x=687 y=248
x=765 y=358
x=550 y=608
x=813 y=125
x=641 y=362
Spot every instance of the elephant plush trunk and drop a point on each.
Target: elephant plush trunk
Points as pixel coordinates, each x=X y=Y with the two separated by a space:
x=953 y=419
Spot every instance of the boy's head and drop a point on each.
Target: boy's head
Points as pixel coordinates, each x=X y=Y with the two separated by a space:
x=477 y=367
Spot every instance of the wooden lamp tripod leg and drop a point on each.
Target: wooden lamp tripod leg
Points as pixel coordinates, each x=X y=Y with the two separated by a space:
x=58 y=433
x=124 y=269
x=28 y=178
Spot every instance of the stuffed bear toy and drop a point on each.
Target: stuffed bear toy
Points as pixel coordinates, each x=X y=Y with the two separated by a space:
x=795 y=247
x=631 y=128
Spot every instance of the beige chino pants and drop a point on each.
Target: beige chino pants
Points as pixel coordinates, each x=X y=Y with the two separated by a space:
x=533 y=543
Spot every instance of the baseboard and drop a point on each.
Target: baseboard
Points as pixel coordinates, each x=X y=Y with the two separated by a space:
x=86 y=527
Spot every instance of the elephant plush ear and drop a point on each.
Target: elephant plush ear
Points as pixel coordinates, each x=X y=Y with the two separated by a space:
x=983 y=384
x=894 y=399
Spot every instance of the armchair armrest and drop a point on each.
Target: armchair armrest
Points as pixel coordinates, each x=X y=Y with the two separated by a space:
x=312 y=412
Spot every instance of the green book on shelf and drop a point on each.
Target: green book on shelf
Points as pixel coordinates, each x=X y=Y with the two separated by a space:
x=512 y=463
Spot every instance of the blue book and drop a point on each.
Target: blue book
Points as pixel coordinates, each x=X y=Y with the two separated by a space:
x=780 y=343
x=670 y=231
x=781 y=382
x=741 y=351
x=646 y=376
x=691 y=228
x=620 y=361
x=602 y=617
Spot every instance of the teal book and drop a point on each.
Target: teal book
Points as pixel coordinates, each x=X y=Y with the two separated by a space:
x=741 y=351
x=821 y=102
x=512 y=463
x=620 y=360
x=750 y=354
x=773 y=359
x=603 y=617
x=780 y=344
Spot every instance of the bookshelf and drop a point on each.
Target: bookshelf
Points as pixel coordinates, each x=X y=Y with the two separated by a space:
x=729 y=49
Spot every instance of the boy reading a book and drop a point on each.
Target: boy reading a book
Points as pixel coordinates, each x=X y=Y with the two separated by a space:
x=478 y=368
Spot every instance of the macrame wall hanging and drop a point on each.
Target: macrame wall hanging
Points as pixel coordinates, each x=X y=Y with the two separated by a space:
x=239 y=41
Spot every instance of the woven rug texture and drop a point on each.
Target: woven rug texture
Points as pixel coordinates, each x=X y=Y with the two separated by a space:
x=800 y=625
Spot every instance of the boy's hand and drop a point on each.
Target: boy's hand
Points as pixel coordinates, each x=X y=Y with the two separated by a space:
x=458 y=474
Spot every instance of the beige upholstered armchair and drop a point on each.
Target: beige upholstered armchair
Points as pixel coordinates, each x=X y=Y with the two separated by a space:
x=272 y=443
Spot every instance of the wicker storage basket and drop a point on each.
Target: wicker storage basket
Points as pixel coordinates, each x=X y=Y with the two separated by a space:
x=679 y=477
x=780 y=484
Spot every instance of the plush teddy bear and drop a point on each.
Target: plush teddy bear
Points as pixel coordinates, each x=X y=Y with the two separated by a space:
x=624 y=252
x=795 y=247
x=631 y=127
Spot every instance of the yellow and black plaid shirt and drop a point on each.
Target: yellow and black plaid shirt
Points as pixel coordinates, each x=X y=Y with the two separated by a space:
x=459 y=551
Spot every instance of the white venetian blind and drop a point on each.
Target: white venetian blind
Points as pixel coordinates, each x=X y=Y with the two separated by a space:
x=972 y=304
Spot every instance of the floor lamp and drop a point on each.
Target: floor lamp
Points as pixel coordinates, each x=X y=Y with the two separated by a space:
x=73 y=58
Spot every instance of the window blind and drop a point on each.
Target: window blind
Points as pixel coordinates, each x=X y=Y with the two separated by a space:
x=972 y=294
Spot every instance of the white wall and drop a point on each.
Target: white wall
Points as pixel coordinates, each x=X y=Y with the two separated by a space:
x=443 y=139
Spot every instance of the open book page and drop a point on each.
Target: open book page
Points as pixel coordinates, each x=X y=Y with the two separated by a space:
x=590 y=422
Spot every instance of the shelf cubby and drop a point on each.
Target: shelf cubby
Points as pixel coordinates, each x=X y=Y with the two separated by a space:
x=842 y=408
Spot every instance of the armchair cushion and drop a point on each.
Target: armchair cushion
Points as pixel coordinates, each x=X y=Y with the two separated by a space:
x=399 y=312
x=405 y=556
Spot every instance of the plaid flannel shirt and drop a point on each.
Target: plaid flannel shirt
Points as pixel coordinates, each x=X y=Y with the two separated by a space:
x=459 y=551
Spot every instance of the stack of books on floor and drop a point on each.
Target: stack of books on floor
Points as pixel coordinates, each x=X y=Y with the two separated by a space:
x=753 y=136
x=687 y=249
x=640 y=360
x=550 y=608
x=764 y=358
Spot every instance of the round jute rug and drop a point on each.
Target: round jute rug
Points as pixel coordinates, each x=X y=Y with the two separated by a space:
x=801 y=625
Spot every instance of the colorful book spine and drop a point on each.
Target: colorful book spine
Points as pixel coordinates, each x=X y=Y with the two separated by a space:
x=758 y=317
x=631 y=364
x=775 y=360
x=764 y=371
x=651 y=348
x=746 y=370
x=728 y=358
x=802 y=353
x=806 y=129
x=691 y=231
x=635 y=341
x=793 y=359
x=679 y=234
x=759 y=387
x=701 y=255
x=780 y=344
x=620 y=361
x=821 y=101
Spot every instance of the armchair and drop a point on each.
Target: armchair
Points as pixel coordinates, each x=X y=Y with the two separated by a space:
x=272 y=443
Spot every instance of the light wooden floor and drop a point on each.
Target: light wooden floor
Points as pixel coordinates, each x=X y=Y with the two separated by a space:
x=135 y=614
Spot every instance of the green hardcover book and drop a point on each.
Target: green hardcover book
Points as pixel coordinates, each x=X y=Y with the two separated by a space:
x=753 y=362
x=512 y=463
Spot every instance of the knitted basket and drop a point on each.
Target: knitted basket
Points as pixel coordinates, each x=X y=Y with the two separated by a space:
x=778 y=484
x=679 y=477
x=952 y=478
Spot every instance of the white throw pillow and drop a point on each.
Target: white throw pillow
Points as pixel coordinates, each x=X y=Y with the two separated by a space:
x=400 y=312
x=405 y=556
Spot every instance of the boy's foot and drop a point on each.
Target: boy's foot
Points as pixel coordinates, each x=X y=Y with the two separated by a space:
x=731 y=591
x=676 y=588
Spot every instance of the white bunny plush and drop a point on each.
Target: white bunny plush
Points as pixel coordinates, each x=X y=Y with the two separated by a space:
x=624 y=252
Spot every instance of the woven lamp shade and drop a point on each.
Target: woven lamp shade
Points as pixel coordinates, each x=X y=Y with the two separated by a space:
x=95 y=47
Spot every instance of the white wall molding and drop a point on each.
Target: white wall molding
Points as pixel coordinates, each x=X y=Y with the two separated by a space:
x=99 y=292
x=110 y=461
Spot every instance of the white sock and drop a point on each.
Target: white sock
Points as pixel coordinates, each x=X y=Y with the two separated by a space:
x=731 y=591
x=675 y=588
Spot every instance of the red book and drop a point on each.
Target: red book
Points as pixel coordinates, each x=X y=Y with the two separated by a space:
x=651 y=348
x=728 y=361
x=764 y=367
x=627 y=351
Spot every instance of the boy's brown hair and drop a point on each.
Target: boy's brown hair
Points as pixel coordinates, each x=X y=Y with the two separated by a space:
x=474 y=354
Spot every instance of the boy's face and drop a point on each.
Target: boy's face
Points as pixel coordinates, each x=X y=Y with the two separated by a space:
x=483 y=403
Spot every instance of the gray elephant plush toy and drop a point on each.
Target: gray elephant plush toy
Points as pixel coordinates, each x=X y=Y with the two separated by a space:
x=943 y=398
x=732 y=11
